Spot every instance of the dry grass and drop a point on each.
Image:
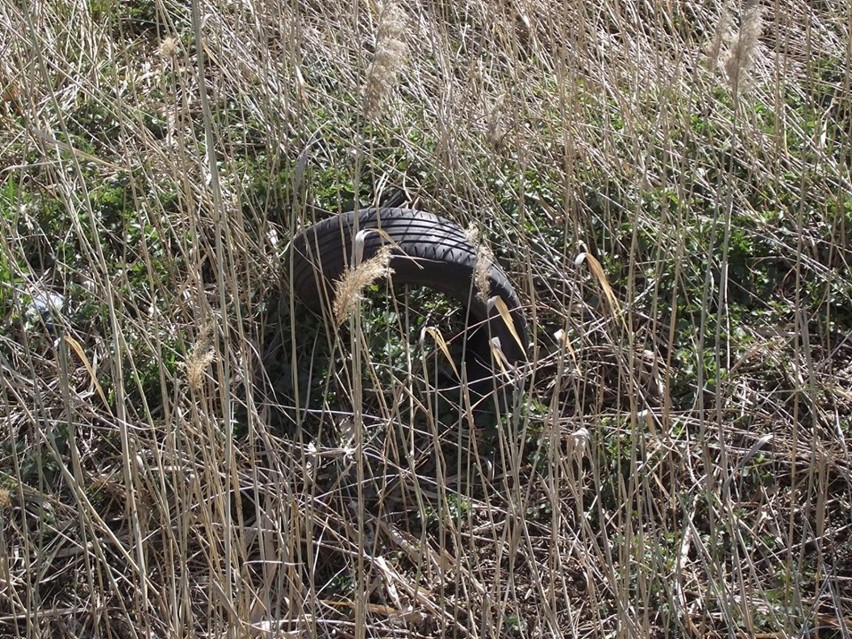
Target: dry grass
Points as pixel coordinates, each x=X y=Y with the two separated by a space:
x=180 y=457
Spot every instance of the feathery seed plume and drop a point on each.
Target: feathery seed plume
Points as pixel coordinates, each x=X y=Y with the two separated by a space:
x=482 y=265
x=168 y=48
x=387 y=60
x=495 y=130
x=348 y=290
x=740 y=57
x=714 y=47
x=198 y=359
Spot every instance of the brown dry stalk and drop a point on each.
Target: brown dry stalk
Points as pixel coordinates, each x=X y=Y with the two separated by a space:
x=387 y=60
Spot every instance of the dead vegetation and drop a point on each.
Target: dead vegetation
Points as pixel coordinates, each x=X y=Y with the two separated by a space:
x=184 y=452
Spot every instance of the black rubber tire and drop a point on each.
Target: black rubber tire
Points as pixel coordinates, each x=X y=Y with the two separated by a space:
x=435 y=253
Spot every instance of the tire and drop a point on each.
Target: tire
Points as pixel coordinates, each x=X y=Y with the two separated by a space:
x=433 y=252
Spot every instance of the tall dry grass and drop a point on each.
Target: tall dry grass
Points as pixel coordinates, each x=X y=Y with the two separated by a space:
x=667 y=184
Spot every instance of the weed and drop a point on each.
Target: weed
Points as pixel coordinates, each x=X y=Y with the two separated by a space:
x=677 y=456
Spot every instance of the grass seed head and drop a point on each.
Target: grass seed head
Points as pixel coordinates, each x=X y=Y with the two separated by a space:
x=168 y=48
x=740 y=57
x=481 y=271
x=199 y=358
x=350 y=288
x=482 y=265
x=387 y=60
x=714 y=47
x=495 y=128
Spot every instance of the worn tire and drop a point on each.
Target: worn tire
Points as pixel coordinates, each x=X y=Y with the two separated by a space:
x=433 y=252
